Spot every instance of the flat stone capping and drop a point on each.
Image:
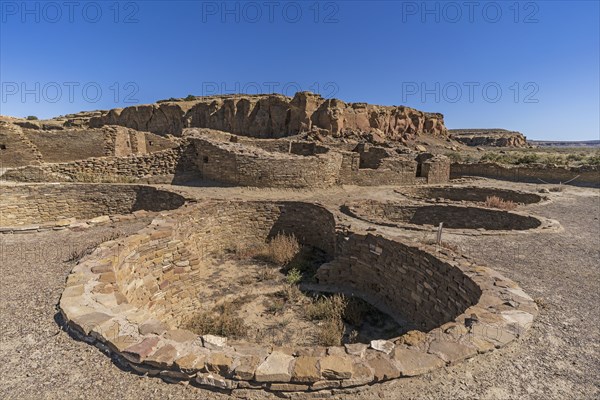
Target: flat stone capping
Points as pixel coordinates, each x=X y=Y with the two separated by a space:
x=35 y=208
x=104 y=303
x=470 y=194
x=458 y=218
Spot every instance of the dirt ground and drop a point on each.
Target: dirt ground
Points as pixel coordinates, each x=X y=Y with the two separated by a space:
x=559 y=358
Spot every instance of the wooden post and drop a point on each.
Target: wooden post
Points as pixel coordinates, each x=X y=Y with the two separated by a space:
x=438 y=238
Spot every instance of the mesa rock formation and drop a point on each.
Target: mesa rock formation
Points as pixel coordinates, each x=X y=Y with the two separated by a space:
x=273 y=116
x=489 y=137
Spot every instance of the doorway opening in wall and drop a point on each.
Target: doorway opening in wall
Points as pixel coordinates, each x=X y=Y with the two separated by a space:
x=2 y=147
x=419 y=170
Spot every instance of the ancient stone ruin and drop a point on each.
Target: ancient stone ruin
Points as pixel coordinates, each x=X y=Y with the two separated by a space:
x=146 y=298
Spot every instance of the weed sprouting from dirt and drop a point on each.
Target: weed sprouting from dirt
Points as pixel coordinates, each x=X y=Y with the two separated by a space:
x=294 y=276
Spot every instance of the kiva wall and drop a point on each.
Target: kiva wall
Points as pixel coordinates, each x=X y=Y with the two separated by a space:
x=162 y=270
x=22 y=205
x=401 y=279
x=167 y=166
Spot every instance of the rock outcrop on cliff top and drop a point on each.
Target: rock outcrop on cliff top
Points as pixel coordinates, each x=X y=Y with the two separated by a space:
x=271 y=116
x=489 y=137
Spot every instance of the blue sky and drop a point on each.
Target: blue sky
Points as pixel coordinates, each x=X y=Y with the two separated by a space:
x=527 y=66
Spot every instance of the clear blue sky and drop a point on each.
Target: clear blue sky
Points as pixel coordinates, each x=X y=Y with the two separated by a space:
x=533 y=67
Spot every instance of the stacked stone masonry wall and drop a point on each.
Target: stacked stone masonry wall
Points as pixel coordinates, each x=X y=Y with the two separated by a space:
x=38 y=204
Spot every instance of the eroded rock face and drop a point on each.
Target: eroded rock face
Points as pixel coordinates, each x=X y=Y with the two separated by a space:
x=489 y=137
x=269 y=116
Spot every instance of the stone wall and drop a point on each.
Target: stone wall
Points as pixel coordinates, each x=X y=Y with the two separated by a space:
x=163 y=271
x=406 y=282
x=39 y=204
x=585 y=176
x=166 y=166
x=241 y=165
x=128 y=295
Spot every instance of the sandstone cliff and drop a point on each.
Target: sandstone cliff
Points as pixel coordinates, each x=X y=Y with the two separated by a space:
x=489 y=137
x=272 y=116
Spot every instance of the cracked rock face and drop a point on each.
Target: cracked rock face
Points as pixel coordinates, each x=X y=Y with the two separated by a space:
x=271 y=116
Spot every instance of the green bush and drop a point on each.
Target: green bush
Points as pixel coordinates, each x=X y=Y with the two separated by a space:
x=294 y=276
x=32 y=118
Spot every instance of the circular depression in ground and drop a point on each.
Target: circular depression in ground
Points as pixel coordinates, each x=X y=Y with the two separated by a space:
x=137 y=302
x=452 y=216
x=471 y=194
x=60 y=204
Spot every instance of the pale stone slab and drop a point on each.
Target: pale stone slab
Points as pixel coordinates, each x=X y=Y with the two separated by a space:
x=414 y=362
x=276 y=368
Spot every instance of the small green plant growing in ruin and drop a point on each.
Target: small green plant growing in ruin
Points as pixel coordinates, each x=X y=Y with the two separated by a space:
x=294 y=276
x=31 y=118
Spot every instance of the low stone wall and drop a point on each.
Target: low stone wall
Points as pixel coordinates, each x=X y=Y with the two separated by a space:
x=585 y=176
x=49 y=204
x=127 y=296
x=166 y=166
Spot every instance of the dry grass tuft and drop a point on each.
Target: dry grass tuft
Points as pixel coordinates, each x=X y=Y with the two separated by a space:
x=221 y=321
x=282 y=249
x=497 y=202
x=328 y=310
x=330 y=332
x=279 y=251
x=326 y=307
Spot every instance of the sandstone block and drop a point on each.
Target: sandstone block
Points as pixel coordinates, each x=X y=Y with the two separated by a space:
x=276 y=368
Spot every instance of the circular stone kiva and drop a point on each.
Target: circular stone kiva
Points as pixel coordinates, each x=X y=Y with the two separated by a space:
x=458 y=218
x=37 y=207
x=471 y=194
x=130 y=296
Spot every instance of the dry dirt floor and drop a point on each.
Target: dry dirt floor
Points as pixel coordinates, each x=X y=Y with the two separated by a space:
x=559 y=358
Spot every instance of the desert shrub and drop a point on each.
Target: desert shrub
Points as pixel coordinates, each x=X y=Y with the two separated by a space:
x=356 y=311
x=190 y=97
x=454 y=156
x=575 y=157
x=221 y=321
x=330 y=332
x=530 y=158
x=495 y=157
x=31 y=118
x=293 y=276
x=497 y=202
x=326 y=307
x=558 y=188
x=280 y=250
x=593 y=160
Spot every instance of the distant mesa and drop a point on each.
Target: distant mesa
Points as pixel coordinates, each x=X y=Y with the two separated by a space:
x=489 y=137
